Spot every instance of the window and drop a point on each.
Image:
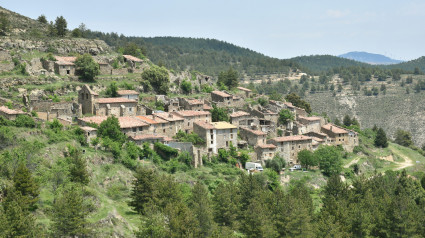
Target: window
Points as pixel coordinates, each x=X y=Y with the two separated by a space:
x=211 y=131
x=299 y=146
x=212 y=142
x=227 y=143
x=130 y=109
x=134 y=129
x=231 y=136
x=140 y=128
x=87 y=96
x=212 y=137
x=163 y=130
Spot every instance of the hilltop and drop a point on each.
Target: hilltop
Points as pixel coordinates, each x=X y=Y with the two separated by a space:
x=369 y=58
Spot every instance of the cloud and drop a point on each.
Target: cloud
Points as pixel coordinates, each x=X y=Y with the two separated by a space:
x=336 y=13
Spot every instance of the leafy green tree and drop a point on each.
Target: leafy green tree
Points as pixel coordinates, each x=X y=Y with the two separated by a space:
x=157 y=78
x=61 y=26
x=112 y=90
x=191 y=137
x=307 y=158
x=76 y=33
x=25 y=184
x=230 y=78
x=298 y=102
x=186 y=87
x=87 y=67
x=276 y=164
x=263 y=101
x=403 y=138
x=24 y=121
x=134 y=50
x=69 y=214
x=110 y=128
x=78 y=166
x=144 y=190
x=219 y=114
x=42 y=19
x=381 y=139
x=200 y=204
x=285 y=116
x=4 y=24
x=329 y=159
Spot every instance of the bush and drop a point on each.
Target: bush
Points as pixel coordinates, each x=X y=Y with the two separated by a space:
x=24 y=121
x=276 y=164
x=87 y=67
x=165 y=151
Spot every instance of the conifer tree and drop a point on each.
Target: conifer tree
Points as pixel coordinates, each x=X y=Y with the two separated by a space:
x=201 y=206
x=78 y=167
x=143 y=191
x=381 y=139
x=27 y=186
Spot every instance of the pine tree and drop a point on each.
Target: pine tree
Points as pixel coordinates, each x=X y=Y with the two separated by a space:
x=78 y=167
x=69 y=213
x=27 y=186
x=226 y=202
x=143 y=191
x=61 y=26
x=381 y=139
x=201 y=207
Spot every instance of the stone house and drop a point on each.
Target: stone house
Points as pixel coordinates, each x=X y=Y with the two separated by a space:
x=253 y=137
x=192 y=116
x=115 y=106
x=336 y=134
x=221 y=99
x=265 y=114
x=172 y=105
x=175 y=123
x=289 y=146
x=217 y=135
x=10 y=114
x=191 y=104
x=65 y=65
x=312 y=124
x=247 y=92
x=104 y=68
x=128 y=94
x=89 y=133
x=157 y=125
x=132 y=61
x=238 y=116
x=265 y=152
x=131 y=126
x=150 y=138
x=87 y=98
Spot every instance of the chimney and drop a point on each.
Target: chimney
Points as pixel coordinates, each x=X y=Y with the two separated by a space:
x=331 y=128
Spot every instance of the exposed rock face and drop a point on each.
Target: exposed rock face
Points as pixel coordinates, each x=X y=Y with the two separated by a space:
x=62 y=46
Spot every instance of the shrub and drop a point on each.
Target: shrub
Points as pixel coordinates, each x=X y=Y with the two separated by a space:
x=165 y=151
x=24 y=121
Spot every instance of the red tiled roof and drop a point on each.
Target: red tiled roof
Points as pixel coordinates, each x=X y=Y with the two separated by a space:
x=190 y=113
x=115 y=100
x=244 y=89
x=169 y=117
x=239 y=114
x=94 y=119
x=87 y=128
x=147 y=137
x=334 y=129
x=156 y=119
x=255 y=132
x=317 y=139
x=291 y=138
x=64 y=63
x=130 y=122
x=205 y=125
x=267 y=146
x=207 y=107
x=127 y=92
x=132 y=58
x=215 y=125
x=310 y=118
x=221 y=94
x=66 y=58
x=11 y=111
x=194 y=102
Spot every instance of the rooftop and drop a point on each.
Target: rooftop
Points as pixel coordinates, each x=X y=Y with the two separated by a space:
x=291 y=138
x=244 y=89
x=147 y=137
x=147 y=120
x=267 y=146
x=95 y=119
x=255 y=132
x=89 y=89
x=194 y=102
x=334 y=129
x=156 y=119
x=10 y=111
x=310 y=118
x=239 y=114
x=132 y=58
x=64 y=63
x=221 y=94
x=215 y=125
x=190 y=113
x=130 y=122
x=87 y=128
x=169 y=117
x=115 y=100
x=66 y=58
x=207 y=107
x=127 y=92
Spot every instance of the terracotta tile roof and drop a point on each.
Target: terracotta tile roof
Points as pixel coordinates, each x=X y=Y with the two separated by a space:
x=147 y=137
x=64 y=63
x=205 y=125
x=221 y=94
x=317 y=139
x=94 y=119
x=147 y=120
x=207 y=107
x=239 y=114
x=255 y=132
x=267 y=146
x=130 y=122
x=115 y=100
x=156 y=119
x=291 y=138
x=66 y=58
x=87 y=128
x=190 y=113
x=132 y=58
x=310 y=118
x=194 y=102
x=169 y=117
x=334 y=129
x=127 y=92
x=10 y=111
x=244 y=89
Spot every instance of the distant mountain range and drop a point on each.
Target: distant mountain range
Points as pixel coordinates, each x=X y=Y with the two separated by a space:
x=369 y=58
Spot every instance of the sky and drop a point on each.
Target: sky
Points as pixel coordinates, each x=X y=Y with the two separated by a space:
x=280 y=29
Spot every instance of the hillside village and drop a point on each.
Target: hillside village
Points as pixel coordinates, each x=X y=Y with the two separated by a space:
x=253 y=126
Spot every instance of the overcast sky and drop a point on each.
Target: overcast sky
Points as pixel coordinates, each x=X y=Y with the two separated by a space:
x=280 y=29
